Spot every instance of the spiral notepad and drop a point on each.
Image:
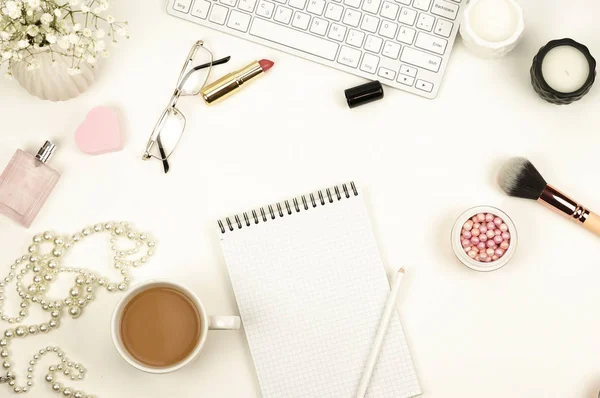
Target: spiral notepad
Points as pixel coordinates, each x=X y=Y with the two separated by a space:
x=311 y=289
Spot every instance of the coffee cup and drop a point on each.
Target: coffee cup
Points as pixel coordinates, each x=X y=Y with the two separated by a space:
x=160 y=326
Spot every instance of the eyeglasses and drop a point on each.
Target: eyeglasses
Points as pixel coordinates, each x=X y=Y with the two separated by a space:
x=171 y=123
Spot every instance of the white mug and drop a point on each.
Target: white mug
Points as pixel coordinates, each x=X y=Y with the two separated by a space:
x=207 y=323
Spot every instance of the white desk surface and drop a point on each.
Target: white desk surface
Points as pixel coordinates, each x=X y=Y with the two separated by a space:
x=528 y=330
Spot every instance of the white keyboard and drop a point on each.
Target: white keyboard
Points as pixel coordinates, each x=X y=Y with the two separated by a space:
x=402 y=43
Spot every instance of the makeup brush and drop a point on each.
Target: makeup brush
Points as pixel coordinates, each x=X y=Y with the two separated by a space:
x=519 y=177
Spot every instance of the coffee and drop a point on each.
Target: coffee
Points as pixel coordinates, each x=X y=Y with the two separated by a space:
x=160 y=327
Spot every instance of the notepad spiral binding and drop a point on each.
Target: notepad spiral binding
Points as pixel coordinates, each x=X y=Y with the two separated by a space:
x=286 y=207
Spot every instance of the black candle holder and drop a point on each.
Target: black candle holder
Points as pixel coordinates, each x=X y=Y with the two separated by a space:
x=548 y=93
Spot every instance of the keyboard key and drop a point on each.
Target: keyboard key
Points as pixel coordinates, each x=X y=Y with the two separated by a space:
x=421 y=59
x=352 y=17
x=443 y=28
x=283 y=15
x=424 y=85
x=355 y=38
x=218 y=14
x=408 y=70
x=373 y=43
x=389 y=10
x=182 y=6
x=334 y=12
x=422 y=4
x=200 y=9
x=407 y=80
x=281 y=1
x=407 y=16
x=431 y=43
x=371 y=6
x=337 y=32
x=294 y=39
x=391 y=49
x=406 y=35
x=370 y=23
x=405 y=2
x=316 y=7
x=444 y=9
x=319 y=26
x=299 y=4
x=369 y=63
x=352 y=3
x=425 y=22
x=388 y=29
x=349 y=56
x=238 y=21
x=247 y=5
x=265 y=9
x=301 y=20
x=230 y=3
x=386 y=73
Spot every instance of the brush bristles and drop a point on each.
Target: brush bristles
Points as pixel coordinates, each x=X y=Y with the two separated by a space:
x=518 y=177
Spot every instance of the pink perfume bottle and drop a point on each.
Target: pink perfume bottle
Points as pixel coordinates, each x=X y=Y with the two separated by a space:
x=26 y=183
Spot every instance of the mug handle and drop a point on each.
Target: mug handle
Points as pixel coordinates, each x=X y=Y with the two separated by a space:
x=224 y=322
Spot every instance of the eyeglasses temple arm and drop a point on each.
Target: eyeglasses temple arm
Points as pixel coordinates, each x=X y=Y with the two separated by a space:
x=165 y=162
x=221 y=61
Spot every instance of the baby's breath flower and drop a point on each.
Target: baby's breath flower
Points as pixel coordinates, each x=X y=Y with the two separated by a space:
x=76 y=27
x=58 y=13
x=6 y=55
x=110 y=19
x=35 y=4
x=73 y=38
x=85 y=8
x=87 y=32
x=46 y=18
x=23 y=44
x=50 y=38
x=33 y=30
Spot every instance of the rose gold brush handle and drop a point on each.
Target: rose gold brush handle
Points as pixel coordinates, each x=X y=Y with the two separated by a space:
x=561 y=203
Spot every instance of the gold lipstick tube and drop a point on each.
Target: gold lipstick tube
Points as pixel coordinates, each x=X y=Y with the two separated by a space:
x=562 y=204
x=230 y=83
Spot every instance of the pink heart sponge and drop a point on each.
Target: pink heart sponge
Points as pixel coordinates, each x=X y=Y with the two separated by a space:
x=99 y=133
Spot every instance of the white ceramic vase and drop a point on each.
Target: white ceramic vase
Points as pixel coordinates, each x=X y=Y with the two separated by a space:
x=52 y=80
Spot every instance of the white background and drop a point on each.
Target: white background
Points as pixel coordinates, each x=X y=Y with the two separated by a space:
x=530 y=329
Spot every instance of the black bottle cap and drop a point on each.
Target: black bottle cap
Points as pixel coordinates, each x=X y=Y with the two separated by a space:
x=548 y=93
x=364 y=94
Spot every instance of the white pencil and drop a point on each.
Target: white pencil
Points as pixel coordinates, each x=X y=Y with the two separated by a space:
x=383 y=326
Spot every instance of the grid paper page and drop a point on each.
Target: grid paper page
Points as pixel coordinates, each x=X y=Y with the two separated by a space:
x=311 y=289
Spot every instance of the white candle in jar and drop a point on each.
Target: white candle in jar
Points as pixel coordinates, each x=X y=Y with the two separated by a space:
x=493 y=20
x=565 y=69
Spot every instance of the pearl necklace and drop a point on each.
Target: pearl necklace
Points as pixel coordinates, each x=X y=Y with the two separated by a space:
x=127 y=245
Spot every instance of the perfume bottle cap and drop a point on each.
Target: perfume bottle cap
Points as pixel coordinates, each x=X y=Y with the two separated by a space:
x=45 y=152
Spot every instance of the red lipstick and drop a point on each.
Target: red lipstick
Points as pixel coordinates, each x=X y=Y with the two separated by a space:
x=232 y=82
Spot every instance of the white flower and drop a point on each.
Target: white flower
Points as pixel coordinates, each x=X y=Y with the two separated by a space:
x=46 y=18
x=87 y=32
x=35 y=4
x=23 y=44
x=77 y=27
x=121 y=31
x=85 y=8
x=7 y=55
x=100 y=46
x=5 y=35
x=33 y=30
x=58 y=13
x=12 y=9
x=100 y=33
x=63 y=43
x=50 y=38
x=110 y=19
x=73 y=38
x=74 y=71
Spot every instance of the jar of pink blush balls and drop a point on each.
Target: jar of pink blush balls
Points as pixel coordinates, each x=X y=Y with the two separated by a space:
x=484 y=238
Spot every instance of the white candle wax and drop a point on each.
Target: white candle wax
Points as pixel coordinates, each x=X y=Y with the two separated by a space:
x=493 y=20
x=565 y=69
